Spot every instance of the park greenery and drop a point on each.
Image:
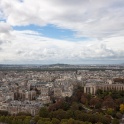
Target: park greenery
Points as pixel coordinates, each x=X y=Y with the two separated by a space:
x=103 y=108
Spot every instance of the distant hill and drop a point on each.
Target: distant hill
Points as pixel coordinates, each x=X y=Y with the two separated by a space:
x=59 y=65
x=122 y=64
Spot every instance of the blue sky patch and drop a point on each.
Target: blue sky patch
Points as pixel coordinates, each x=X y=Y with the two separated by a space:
x=52 y=31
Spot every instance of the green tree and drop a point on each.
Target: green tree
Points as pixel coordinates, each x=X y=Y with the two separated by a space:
x=36 y=118
x=20 y=121
x=74 y=106
x=60 y=114
x=71 y=121
x=43 y=112
x=2 y=119
x=115 y=121
x=26 y=121
x=70 y=114
x=40 y=121
x=55 y=121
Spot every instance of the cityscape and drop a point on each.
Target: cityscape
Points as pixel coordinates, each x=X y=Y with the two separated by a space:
x=26 y=89
x=61 y=61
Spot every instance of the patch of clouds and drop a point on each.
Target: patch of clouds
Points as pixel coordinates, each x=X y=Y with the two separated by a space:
x=4 y=27
x=5 y=31
x=38 y=49
x=1 y=42
x=89 y=18
x=99 y=20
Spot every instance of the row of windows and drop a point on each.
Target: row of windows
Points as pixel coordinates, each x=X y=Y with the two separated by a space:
x=111 y=88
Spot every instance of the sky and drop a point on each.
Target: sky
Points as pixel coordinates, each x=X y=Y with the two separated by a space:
x=61 y=31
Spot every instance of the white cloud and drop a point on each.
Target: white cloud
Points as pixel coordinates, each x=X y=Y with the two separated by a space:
x=91 y=18
x=100 y=20
x=4 y=27
x=24 y=47
x=4 y=30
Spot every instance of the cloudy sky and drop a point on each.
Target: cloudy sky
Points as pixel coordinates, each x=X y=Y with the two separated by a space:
x=61 y=31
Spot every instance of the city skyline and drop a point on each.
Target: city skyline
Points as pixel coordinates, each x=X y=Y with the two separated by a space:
x=59 y=31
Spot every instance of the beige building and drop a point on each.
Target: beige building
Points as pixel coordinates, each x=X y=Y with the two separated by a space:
x=67 y=94
x=92 y=87
x=30 y=95
x=57 y=92
x=13 y=110
x=44 y=95
x=3 y=106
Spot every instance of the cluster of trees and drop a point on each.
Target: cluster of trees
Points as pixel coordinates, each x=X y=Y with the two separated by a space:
x=39 y=120
x=79 y=115
x=80 y=118
x=15 y=119
x=112 y=98
x=113 y=93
